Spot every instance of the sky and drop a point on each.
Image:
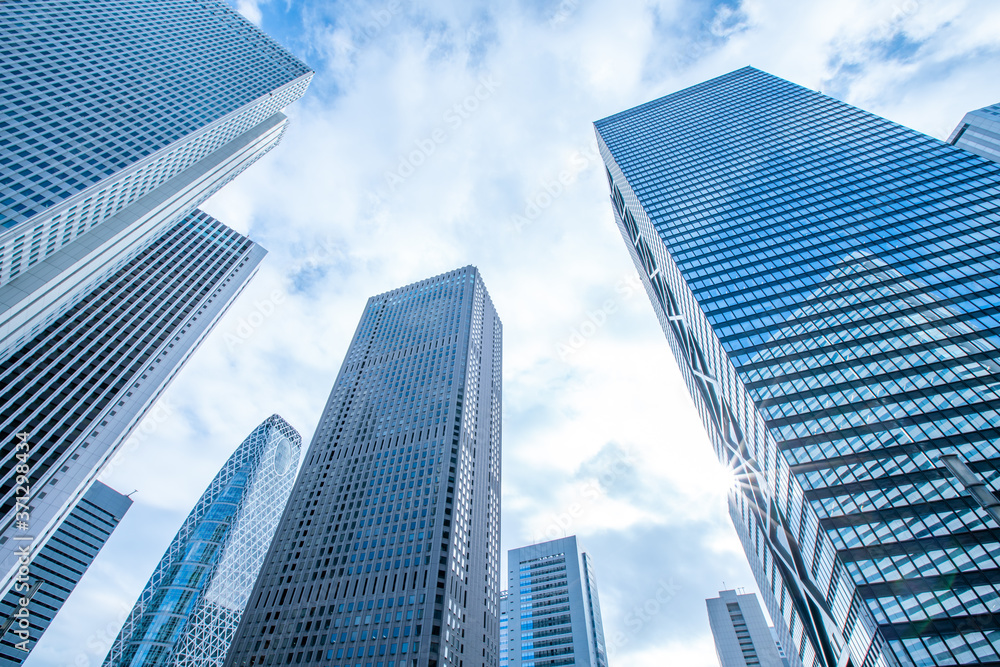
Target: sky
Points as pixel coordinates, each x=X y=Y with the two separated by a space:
x=440 y=134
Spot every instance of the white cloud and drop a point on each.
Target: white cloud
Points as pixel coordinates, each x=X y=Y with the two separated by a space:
x=250 y=9
x=381 y=94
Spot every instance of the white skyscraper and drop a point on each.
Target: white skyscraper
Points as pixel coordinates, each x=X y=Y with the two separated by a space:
x=742 y=635
x=117 y=119
x=554 y=615
x=979 y=132
x=189 y=610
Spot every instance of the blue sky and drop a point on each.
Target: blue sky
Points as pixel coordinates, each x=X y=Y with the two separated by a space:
x=434 y=136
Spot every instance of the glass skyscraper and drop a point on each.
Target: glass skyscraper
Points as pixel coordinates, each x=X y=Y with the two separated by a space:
x=553 y=612
x=388 y=553
x=87 y=379
x=829 y=282
x=117 y=119
x=190 y=608
x=504 y=629
x=979 y=132
x=62 y=563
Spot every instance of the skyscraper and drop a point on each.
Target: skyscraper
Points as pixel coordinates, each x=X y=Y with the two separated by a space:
x=742 y=636
x=827 y=280
x=190 y=608
x=554 y=614
x=62 y=563
x=388 y=552
x=117 y=119
x=504 y=629
x=979 y=132
x=82 y=384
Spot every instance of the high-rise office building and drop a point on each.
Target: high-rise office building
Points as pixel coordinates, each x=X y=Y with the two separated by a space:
x=979 y=132
x=828 y=282
x=553 y=612
x=118 y=119
x=84 y=382
x=388 y=552
x=58 y=567
x=191 y=606
x=504 y=629
x=742 y=636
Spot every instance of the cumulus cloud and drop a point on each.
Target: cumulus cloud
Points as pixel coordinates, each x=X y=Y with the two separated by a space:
x=440 y=134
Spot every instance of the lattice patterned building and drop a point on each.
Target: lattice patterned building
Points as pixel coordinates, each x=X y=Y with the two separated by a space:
x=189 y=610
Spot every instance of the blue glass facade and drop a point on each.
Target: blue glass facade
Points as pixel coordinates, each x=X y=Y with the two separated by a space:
x=191 y=606
x=117 y=119
x=91 y=88
x=388 y=554
x=553 y=614
x=504 y=660
x=829 y=282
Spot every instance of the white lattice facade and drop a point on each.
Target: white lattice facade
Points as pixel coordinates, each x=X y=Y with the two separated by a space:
x=189 y=610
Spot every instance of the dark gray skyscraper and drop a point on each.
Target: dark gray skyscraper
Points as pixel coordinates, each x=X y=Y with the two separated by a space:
x=58 y=567
x=829 y=282
x=388 y=552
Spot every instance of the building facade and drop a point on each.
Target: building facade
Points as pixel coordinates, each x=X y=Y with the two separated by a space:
x=189 y=610
x=742 y=635
x=388 y=552
x=79 y=387
x=119 y=118
x=979 y=132
x=57 y=569
x=553 y=614
x=828 y=283
x=504 y=629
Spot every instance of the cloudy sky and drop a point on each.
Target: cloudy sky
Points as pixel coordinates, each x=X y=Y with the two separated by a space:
x=433 y=136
